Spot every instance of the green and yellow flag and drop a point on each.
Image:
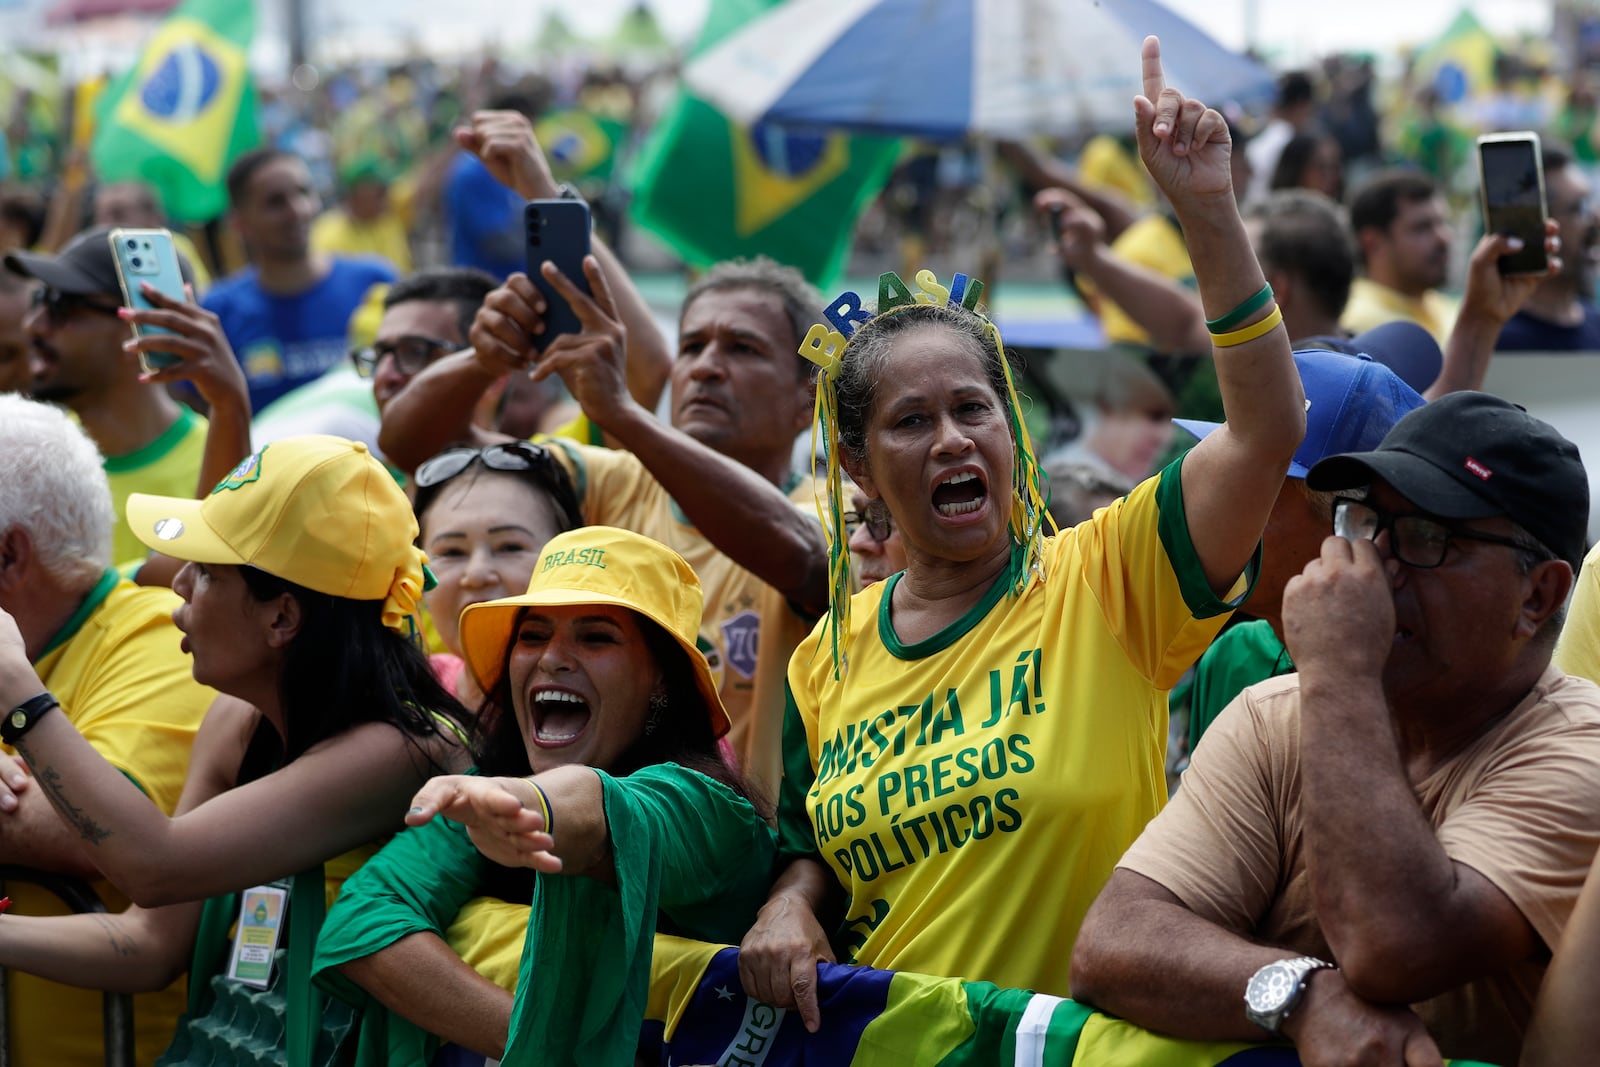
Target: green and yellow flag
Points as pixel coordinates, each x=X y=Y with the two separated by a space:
x=713 y=190
x=185 y=111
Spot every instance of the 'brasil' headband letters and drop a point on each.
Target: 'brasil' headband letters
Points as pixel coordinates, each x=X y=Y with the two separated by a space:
x=825 y=345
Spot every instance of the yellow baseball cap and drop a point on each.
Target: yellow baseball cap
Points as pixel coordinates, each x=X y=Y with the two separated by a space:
x=318 y=511
x=599 y=565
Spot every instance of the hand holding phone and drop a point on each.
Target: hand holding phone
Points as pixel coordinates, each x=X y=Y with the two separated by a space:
x=148 y=256
x=1513 y=195
x=558 y=231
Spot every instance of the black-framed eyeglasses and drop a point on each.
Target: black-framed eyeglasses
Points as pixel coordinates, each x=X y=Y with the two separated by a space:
x=876 y=520
x=1416 y=540
x=59 y=306
x=411 y=354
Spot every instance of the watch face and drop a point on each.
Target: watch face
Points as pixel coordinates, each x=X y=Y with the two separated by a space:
x=1271 y=989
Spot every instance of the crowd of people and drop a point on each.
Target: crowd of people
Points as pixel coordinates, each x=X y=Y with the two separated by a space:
x=416 y=690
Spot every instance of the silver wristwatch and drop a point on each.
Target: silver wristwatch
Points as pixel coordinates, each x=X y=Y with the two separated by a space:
x=1275 y=989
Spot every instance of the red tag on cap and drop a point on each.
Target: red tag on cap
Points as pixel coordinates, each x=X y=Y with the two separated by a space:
x=1478 y=468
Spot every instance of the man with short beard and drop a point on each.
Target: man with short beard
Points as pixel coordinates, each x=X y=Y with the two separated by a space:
x=1403 y=235
x=151 y=443
x=1561 y=315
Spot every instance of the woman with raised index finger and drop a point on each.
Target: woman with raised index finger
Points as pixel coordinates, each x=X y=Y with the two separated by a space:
x=973 y=743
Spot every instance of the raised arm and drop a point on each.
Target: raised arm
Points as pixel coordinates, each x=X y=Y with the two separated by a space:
x=206 y=360
x=1168 y=312
x=738 y=510
x=435 y=409
x=1232 y=478
x=1490 y=301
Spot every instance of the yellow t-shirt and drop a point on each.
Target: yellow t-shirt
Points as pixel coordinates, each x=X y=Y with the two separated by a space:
x=336 y=233
x=1578 y=650
x=1106 y=163
x=1153 y=241
x=168 y=466
x=1023 y=746
x=118 y=672
x=197 y=264
x=748 y=629
x=1372 y=305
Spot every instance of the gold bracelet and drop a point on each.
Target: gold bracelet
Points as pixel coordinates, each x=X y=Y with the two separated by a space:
x=1250 y=332
x=544 y=803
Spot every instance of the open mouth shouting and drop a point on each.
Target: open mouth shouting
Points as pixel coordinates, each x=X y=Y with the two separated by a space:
x=560 y=717
x=961 y=493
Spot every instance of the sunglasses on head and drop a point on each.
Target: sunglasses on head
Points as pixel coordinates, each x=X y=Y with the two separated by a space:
x=511 y=456
x=514 y=457
x=59 y=306
x=411 y=354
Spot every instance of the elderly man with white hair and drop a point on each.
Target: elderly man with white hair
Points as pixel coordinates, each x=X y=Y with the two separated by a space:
x=109 y=652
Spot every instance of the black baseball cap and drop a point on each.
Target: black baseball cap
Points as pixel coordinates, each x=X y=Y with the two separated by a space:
x=1472 y=455
x=84 y=267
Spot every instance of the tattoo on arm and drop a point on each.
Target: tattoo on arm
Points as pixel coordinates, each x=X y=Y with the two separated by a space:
x=49 y=780
x=121 y=944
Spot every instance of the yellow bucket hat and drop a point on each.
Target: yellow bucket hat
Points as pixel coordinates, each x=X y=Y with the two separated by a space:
x=318 y=511
x=599 y=565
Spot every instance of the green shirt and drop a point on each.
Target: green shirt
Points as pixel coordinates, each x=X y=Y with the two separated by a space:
x=1244 y=654
x=691 y=856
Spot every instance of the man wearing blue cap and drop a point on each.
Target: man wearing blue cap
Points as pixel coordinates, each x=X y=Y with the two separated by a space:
x=1351 y=402
x=1374 y=857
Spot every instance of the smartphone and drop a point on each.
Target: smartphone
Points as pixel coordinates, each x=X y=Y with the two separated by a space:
x=147 y=256
x=557 y=230
x=1512 y=174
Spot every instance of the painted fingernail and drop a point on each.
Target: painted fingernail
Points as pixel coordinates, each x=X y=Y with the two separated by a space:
x=414 y=811
x=1514 y=243
x=124 y=312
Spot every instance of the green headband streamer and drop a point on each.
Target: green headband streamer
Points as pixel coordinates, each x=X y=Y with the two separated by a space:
x=825 y=345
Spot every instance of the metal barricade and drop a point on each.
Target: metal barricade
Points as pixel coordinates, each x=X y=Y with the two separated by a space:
x=117 y=1014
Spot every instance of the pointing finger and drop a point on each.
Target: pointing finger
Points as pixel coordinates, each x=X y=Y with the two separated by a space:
x=1150 y=58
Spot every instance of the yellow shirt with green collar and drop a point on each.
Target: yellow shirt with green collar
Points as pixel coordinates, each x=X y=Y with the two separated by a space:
x=168 y=466
x=748 y=628
x=121 y=678
x=1372 y=304
x=1021 y=746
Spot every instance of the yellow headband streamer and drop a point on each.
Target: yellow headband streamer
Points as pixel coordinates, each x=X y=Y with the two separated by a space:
x=825 y=345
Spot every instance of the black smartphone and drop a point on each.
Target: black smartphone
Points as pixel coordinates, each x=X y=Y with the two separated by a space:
x=557 y=230
x=1512 y=180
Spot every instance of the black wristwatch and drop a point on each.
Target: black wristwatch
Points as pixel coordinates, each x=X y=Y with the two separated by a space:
x=20 y=719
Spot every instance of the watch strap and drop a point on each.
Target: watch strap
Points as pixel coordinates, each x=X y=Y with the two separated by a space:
x=1299 y=967
x=20 y=719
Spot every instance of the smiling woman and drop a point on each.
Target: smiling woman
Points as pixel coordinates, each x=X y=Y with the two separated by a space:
x=597 y=688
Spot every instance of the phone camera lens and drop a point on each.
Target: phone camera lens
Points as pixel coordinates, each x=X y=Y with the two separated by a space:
x=137 y=262
x=132 y=243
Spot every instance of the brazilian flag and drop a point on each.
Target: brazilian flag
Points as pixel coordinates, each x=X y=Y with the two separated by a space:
x=698 y=1014
x=185 y=111
x=581 y=147
x=713 y=190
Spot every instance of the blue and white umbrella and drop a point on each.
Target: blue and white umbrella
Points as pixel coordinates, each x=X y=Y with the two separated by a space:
x=941 y=69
